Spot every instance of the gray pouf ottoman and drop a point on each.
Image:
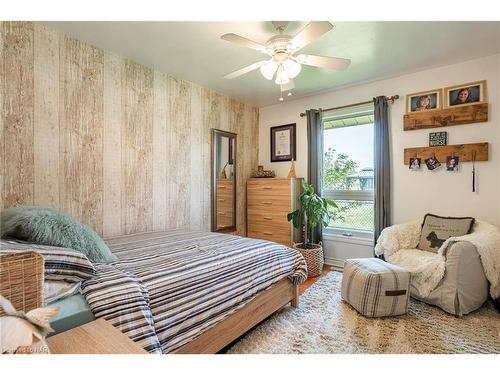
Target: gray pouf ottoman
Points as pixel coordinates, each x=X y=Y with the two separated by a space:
x=375 y=288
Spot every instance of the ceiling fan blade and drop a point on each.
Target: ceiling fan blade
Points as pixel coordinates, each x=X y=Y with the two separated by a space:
x=244 y=42
x=311 y=32
x=289 y=86
x=244 y=70
x=335 y=63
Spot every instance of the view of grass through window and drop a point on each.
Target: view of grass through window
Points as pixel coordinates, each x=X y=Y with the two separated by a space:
x=348 y=171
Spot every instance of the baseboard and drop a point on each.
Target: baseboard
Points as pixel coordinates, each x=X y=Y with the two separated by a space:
x=336 y=263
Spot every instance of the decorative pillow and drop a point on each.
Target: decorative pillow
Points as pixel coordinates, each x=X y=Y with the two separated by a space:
x=46 y=226
x=437 y=229
x=60 y=264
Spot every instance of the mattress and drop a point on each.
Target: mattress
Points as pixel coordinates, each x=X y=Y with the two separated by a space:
x=74 y=311
x=167 y=288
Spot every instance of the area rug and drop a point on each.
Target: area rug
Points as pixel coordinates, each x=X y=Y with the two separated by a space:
x=325 y=324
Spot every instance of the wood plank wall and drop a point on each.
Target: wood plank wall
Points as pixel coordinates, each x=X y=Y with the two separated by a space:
x=119 y=146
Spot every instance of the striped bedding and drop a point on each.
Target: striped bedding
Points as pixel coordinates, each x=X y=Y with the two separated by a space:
x=167 y=288
x=60 y=264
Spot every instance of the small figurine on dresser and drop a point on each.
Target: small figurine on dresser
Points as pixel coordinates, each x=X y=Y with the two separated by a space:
x=261 y=173
x=291 y=173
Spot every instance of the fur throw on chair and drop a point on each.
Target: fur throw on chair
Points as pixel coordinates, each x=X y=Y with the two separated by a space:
x=398 y=245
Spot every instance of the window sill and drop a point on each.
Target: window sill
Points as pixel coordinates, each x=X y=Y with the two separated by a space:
x=357 y=238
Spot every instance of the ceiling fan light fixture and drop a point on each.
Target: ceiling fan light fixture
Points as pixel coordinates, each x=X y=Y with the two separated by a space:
x=282 y=76
x=268 y=69
x=292 y=68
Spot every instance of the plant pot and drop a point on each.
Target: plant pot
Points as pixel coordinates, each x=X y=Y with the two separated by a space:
x=314 y=258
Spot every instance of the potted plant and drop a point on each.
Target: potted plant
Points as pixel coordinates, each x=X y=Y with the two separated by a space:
x=314 y=210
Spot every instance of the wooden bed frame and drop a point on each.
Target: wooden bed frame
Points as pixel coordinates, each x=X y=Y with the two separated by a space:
x=236 y=324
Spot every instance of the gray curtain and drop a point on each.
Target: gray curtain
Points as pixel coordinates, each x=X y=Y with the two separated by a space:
x=382 y=166
x=315 y=158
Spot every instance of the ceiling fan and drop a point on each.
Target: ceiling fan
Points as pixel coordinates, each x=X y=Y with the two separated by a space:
x=282 y=49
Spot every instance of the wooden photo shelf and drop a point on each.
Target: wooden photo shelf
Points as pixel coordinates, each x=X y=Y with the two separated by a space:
x=466 y=114
x=464 y=152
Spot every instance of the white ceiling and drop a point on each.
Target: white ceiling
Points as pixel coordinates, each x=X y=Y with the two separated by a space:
x=195 y=52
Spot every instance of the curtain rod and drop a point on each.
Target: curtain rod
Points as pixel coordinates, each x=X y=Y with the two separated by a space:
x=391 y=98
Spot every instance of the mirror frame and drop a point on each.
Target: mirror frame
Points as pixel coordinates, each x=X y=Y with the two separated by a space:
x=213 y=190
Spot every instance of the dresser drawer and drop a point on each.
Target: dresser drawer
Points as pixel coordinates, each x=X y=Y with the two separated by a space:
x=267 y=217
x=271 y=235
x=276 y=230
x=269 y=204
x=277 y=188
x=224 y=204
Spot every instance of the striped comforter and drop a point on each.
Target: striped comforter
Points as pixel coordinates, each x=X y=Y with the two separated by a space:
x=167 y=288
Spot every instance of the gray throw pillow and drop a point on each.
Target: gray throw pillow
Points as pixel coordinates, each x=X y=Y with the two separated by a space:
x=437 y=229
x=47 y=226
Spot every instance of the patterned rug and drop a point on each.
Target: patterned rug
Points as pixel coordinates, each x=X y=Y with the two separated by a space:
x=325 y=324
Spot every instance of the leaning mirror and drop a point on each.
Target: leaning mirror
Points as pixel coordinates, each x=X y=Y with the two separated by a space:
x=223 y=181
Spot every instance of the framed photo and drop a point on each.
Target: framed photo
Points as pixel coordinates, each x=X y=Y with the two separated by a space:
x=467 y=93
x=424 y=101
x=432 y=163
x=283 y=143
x=414 y=164
x=452 y=163
x=438 y=139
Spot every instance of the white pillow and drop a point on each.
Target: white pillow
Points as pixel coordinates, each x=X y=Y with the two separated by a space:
x=55 y=290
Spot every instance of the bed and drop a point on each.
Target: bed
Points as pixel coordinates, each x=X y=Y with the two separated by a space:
x=187 y=292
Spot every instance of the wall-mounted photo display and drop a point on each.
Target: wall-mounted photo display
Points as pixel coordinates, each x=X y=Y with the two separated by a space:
x=452 y=163
x=283 y=143
x=466 y=93
x=432 y=163
x=438 y=139
x=414 y=164
x=424 y=101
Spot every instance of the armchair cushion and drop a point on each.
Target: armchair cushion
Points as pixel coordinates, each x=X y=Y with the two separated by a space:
x=426 y=268
x=397 y=237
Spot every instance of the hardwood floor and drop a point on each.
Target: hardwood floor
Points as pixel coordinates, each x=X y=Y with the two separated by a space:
x=310 y=281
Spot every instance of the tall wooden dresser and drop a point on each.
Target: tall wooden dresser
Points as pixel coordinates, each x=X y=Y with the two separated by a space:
x=269 y=200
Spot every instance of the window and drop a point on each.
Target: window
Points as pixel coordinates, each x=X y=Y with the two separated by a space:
x=348 y=176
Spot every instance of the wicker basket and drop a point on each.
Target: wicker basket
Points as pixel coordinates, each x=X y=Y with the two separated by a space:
x=21 y=280
x=314 y=259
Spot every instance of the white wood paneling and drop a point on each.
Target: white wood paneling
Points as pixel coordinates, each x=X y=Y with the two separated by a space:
x=117 y=145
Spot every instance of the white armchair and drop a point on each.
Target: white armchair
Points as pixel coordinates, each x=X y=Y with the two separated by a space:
x=458 y=276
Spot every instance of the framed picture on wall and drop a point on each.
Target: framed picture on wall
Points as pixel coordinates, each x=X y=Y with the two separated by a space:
x=424 y=101
x=466 y=93
x=438 y=139
x=283 y=143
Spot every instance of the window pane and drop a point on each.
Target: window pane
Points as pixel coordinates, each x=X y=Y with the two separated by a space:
x=352 y=214
x=348 y=159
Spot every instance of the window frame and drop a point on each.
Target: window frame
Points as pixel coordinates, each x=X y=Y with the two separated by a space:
x=357 y=195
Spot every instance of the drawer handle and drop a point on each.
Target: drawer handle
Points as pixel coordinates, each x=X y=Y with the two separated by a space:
x=268 y=233
x=221 y=187
x=268 y=188
x=267 y=202
x=268 y=217
x=221 y=213
x=221 y=200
